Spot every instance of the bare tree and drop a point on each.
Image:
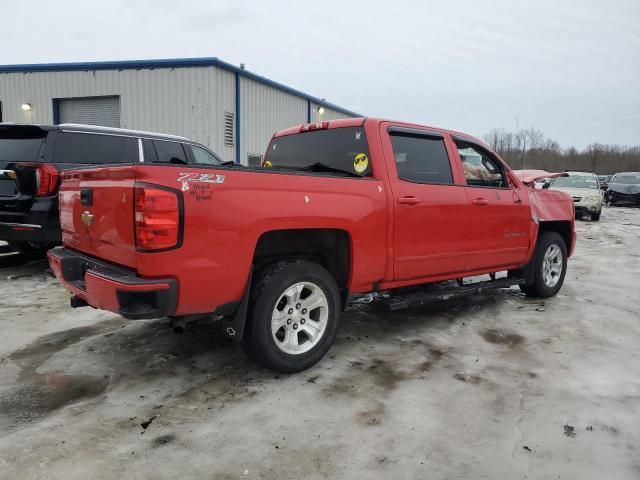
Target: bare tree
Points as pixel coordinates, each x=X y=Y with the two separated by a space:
x=530 y=148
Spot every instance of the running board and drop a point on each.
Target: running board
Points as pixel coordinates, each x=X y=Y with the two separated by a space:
x=437 y=293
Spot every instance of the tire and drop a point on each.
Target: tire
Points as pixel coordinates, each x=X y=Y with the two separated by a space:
x=545 y=283
x=29 y=247
x=281 y=291
x=596 y=216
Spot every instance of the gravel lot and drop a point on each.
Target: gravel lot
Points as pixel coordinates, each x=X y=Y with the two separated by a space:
x=491 y=387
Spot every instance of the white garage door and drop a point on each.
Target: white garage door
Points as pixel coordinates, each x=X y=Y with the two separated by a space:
x=104 y=111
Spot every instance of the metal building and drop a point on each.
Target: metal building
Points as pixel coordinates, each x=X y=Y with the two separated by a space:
x=229 y=109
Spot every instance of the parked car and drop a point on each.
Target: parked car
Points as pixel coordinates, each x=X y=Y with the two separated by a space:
x=624 y=188
x=32 y=158
x=604 y=181
x=339 y=208
x=585 y=190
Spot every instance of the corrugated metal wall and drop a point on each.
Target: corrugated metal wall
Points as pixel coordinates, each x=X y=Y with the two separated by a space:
x=263 y=111
x=329 y=113
x=181 y=101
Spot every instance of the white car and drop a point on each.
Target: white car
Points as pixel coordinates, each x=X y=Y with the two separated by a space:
x=585 y=190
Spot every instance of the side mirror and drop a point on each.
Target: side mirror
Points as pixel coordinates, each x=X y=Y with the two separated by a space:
x=547 y=183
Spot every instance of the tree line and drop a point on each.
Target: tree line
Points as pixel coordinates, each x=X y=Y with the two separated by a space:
x=530 y=149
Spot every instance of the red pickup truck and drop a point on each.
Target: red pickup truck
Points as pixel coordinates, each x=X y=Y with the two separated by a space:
x=337 y=208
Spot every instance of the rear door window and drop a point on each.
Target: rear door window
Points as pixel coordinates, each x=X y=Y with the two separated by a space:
x=93 y=149
x=421 y=158
x=202 y=156
x=149 y=151
x=334 y=151
x=169 y=152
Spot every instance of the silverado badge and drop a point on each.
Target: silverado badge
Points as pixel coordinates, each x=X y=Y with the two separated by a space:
x=87 y=218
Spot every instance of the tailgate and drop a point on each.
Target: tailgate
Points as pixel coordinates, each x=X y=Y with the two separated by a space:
x=96 y=213
x=19 y=149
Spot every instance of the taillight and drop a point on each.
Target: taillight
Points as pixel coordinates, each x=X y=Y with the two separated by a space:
x=47 y=177
x=314 y=126
x=157 y=218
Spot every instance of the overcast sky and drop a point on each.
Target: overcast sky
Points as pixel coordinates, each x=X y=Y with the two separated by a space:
x=570 y=68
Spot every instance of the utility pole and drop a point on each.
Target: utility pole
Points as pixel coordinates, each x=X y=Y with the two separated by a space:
x=520 y=152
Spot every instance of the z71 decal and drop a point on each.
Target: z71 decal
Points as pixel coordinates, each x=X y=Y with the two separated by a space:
x=201 y=177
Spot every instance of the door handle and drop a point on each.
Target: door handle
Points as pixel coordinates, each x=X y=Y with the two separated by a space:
x=409 y=200
x=480 y=201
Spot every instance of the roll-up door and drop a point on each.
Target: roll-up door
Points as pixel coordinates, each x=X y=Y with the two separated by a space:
x=103 y=111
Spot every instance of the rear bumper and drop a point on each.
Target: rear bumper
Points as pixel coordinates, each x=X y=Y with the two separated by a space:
x=28 y=232
x=107 y=287
x=39 y=224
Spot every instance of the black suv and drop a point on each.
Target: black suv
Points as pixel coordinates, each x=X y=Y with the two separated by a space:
x=32 y=157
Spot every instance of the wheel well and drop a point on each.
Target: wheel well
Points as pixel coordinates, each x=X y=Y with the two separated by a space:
x=329 y=247
x=563 y=228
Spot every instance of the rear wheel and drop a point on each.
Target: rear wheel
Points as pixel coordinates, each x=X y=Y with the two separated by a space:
x=550 y=266
x=294 y=316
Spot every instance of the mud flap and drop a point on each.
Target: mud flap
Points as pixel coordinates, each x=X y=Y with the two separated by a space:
x=527 y=272
x=233 y=326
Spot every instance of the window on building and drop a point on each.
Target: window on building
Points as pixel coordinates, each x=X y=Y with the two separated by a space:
x=333 y=150
x=94 y=149
x=421 y=159
x=229 y=134
x=169 y=152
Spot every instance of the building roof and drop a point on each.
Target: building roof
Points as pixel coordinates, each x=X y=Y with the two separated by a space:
x=167 y=63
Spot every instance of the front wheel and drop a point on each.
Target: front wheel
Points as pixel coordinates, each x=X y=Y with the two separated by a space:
x=550 y=266
x=595 y=216
x=294 y=316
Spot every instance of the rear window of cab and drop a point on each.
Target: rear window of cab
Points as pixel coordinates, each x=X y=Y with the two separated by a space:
x=329 y=151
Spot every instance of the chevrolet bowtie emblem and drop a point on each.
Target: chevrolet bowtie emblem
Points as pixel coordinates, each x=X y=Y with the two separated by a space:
x=87 y=218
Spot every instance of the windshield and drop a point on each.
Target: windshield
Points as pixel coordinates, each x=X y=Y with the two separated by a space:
x=19 y=149
x=332 y=150
x=576 y=181
x=627 y=179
